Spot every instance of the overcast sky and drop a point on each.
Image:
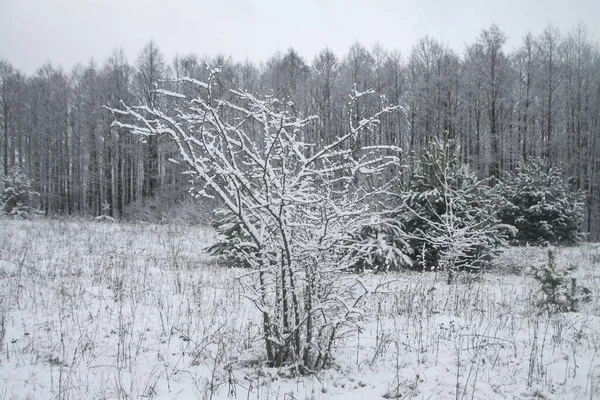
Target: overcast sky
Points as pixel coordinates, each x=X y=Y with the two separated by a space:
x=64 y=32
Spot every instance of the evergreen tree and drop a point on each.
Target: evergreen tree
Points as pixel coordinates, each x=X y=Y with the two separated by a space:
x=18 y=198
x=379 y=245
x=559 y=287
x=233 y=244
x=538 y=201
x=447 y=213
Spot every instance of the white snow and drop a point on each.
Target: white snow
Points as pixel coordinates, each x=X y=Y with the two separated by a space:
x=139 y=311
x=8 y=268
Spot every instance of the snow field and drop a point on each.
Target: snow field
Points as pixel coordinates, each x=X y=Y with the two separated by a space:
x=123 y=311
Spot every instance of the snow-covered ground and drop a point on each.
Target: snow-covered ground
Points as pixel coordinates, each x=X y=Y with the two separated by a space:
x=101 y=310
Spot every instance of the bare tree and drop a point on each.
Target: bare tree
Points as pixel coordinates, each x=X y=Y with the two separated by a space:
x=11 y=83
x=489 y=67
x=325 y=76
x=525 y=74
x=150 y=71
x=548 y=46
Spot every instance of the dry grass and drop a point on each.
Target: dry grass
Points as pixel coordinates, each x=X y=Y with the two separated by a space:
x=100 y=310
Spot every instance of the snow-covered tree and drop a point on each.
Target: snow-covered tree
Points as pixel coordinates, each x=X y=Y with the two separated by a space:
x=18 y=198
x=294 y=202
x=539 y=202
x=379 y=244
x=448 y=213
x=233 y=244
x=559 y=287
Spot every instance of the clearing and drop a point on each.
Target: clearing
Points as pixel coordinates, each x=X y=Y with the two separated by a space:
x=125 y=311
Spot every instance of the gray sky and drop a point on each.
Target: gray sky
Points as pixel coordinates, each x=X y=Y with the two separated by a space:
x=64 y=32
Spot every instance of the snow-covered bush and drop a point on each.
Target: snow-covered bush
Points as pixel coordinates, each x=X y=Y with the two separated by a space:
x=538 y=201
x=290 y=207
x=17 y=198
x=448 y=213
x=559 y=287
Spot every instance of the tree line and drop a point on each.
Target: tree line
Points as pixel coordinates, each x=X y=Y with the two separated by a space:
x=500 y=106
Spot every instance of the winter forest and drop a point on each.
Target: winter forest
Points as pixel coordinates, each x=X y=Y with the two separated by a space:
x=500 y=105
x=366 y=225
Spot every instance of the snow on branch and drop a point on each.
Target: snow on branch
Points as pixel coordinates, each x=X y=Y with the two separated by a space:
x=288 y=203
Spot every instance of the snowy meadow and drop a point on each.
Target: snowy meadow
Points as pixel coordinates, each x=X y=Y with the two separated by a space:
x=134 y=311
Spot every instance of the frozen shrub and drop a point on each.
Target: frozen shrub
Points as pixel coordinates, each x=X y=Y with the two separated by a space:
x=290 y=206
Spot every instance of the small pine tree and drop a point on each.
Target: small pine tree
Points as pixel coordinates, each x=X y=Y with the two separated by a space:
x=538 y=201
x=18 y=199
x=233 y=241
x=559 y=287
x=552 y=280
x=378 y=245
x=447 y=213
